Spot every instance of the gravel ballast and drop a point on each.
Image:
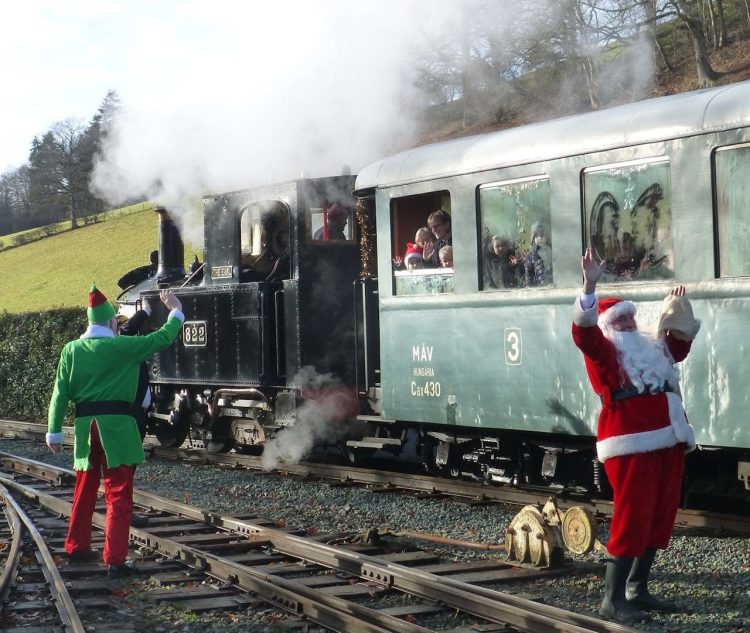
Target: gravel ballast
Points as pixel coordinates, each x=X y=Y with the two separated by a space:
x=708 y=576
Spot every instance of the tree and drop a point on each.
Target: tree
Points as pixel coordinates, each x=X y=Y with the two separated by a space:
x=60 y=165
x=15 y=206
x=687 y=11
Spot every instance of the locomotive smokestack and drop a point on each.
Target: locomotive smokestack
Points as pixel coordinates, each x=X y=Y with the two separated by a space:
x=171 y=250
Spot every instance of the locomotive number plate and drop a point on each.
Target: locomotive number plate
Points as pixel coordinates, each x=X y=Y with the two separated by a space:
x=194 y=333
x=221 y=272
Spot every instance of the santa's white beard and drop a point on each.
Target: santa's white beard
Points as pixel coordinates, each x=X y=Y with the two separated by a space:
x=646 y=361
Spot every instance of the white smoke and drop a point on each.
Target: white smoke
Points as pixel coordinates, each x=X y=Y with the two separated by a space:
x=318 y=419
x=267 y=92
x=264 y=95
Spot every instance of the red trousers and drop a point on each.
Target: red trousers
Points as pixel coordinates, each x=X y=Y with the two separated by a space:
x=118 y=495
x=646 y=490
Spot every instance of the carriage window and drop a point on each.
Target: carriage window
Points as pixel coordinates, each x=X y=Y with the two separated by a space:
x=629 y=220
x=331 y=222
x=264 y=242
x=422 y=244
x=515 y=241
x=732 y=167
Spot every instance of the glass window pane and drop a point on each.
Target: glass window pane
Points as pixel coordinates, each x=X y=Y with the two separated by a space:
x=421 y=239
x=516 y=245
x=732 y=198
x=424 y=282
x=629 y=216
x=264 y=242
x=331 y=223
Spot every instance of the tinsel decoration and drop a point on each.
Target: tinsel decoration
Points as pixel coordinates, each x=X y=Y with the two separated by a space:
x=368 y=267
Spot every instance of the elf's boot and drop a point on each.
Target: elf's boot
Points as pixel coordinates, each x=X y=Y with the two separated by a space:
x=615 y=606
x=636 y=589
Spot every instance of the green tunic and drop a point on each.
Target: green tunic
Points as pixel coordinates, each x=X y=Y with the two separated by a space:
x=94 y=369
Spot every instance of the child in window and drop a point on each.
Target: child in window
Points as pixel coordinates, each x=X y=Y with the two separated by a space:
x=413 y=258
x=446 y=257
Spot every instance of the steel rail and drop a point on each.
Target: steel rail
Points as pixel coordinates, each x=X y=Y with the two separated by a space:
x=486 y=603
x=329 y=611
x=63 y=602
x=688 y=518
x=14 y=551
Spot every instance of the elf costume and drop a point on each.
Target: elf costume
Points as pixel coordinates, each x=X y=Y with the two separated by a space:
x=99 y=374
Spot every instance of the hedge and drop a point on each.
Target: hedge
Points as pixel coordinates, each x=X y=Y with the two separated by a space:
x=30 y=345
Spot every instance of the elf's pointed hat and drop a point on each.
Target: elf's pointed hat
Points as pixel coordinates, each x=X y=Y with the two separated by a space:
x=100 y=310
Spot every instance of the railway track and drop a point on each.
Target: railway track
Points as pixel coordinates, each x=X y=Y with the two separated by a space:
x=475 y=492
x=207 y=560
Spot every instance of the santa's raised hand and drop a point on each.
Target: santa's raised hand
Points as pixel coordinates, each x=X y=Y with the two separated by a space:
x=592 y=271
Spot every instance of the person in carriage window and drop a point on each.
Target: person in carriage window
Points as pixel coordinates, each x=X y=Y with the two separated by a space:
x=439 y=222
x=538 y=265
x=335 y=219
x=502 y=268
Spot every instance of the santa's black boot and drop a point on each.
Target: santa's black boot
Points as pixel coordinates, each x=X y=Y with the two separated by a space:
x=636 y=589
x=615 y=606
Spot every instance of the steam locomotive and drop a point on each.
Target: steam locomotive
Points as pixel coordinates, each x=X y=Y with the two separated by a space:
x=289 y=313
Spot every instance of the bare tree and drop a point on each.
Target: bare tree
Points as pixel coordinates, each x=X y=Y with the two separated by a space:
x=687 y=11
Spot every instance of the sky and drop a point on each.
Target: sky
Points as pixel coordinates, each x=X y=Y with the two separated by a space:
x=216 y=95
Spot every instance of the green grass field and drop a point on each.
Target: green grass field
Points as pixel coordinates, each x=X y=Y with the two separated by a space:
x=57 y=271
x=9 y=240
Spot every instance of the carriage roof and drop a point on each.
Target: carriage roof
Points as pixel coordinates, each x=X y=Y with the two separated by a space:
x=637 y=123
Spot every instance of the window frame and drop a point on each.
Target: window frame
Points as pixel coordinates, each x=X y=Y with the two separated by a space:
x=585 y=211
x=715 y=203
x=543 y=176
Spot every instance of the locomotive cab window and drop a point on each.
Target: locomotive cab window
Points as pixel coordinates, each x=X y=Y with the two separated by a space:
x=515 y=240
x=732 y=171
x=422 y=244
x=629 y=219
x=331 y=223
x=264 y=242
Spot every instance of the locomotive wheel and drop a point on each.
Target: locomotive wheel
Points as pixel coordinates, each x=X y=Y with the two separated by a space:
x=579 y=530
x=220 y=438
x=171 y=435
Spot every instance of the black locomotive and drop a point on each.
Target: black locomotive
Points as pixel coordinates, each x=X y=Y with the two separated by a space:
x=270 y=315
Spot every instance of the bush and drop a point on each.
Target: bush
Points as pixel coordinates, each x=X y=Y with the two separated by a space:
x=30 y=346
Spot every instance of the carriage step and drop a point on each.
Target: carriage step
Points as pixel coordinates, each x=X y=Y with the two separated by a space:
x=374 y=442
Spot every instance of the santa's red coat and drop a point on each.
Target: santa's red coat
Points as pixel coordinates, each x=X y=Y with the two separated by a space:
x=641 y=424
x=641 y=441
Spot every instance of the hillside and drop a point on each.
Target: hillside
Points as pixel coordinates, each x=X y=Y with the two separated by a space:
x=732 y=63
x=57 y=271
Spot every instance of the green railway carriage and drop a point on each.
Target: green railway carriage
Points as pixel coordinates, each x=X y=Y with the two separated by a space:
x=479 y=358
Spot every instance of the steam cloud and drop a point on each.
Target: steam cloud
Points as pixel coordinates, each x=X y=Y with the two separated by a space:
x=318 y=420
x=267 y=92
x=265 y=95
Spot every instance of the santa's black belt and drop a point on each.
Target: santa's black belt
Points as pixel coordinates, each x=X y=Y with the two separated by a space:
x=631 y=392
x=104 y=407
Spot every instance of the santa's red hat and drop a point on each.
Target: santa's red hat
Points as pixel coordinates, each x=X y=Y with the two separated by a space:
x=412 y=251
x=611 y=308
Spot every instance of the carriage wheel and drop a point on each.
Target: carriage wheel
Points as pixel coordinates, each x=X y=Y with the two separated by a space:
x=171 y=434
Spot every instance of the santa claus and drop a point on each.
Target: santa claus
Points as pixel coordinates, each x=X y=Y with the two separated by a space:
x=642 y=434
